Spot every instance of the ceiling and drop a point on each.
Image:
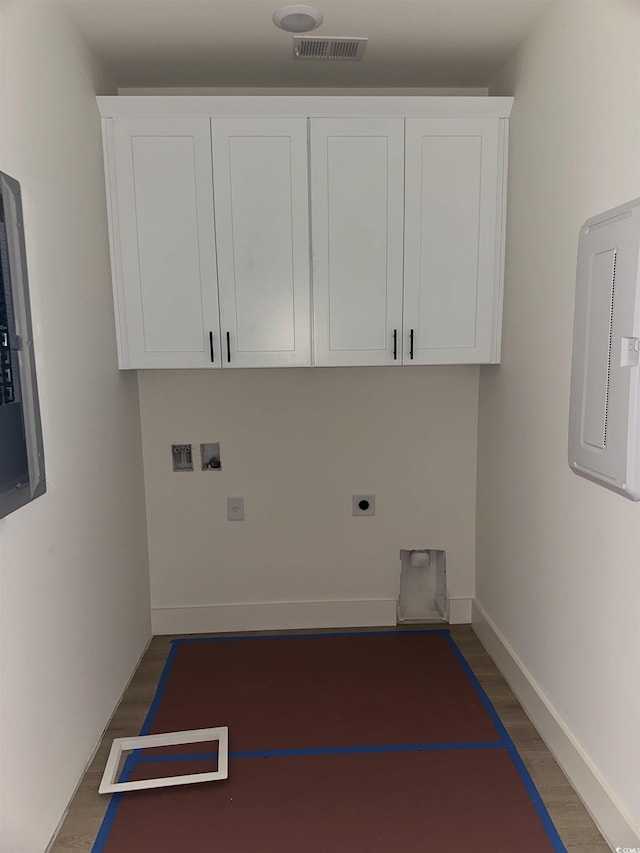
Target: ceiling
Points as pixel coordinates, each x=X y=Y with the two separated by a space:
x=148 y=43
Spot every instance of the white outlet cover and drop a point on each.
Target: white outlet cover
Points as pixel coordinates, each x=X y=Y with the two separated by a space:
x=235 y=509
x=357 y=509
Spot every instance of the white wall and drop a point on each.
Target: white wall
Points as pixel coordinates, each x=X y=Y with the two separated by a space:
x=74 y=594
x=297 y=444
x=558 y=558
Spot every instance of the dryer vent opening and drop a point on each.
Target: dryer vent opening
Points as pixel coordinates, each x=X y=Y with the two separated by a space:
x=423 y=586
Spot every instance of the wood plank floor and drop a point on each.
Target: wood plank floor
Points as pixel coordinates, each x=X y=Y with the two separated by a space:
x=576 y=828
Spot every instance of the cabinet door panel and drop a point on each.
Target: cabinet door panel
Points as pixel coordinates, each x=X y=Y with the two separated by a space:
x=262 y=222
x=164 y=218
x=450 y=239
x=357 y=221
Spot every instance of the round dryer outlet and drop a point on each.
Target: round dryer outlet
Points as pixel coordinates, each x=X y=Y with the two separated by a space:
x=363 y=504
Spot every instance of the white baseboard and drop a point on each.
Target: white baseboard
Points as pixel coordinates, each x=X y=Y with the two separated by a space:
x=614 y=824
x=273 y=616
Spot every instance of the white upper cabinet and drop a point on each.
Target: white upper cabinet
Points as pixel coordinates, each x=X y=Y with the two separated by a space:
x=452 y=262
x=357 y=199
x=211 y=201
x=163 y=247
x=262 y=234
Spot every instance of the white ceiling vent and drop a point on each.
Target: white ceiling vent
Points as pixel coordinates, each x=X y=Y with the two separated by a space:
x=335 y=49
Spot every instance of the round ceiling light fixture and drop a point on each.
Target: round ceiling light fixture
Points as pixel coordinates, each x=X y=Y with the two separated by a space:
x=298 y=18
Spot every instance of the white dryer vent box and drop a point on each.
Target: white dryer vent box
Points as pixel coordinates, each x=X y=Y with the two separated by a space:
x=604 y=413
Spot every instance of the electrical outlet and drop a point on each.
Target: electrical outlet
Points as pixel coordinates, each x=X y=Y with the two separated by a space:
x=235 y=509
x=363 y=504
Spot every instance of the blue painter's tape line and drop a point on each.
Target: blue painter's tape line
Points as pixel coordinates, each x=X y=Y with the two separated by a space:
x=377 y=748
x=110 y=815
x=132 y=760
x=180 y=756
x=389 y=633
x=324 y=750
x=495 y=719
x=153 y=710
x=536 y=799
x=130 y=763
x=531 y=789
x=107 y=823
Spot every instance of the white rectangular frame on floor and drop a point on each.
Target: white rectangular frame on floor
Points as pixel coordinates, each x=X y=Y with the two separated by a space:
x=108 y=784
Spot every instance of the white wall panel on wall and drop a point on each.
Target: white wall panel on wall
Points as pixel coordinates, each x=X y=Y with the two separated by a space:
x=163 y=220
x=451 y=210
x=357 y=196
x=604 y=421
x=262 y=231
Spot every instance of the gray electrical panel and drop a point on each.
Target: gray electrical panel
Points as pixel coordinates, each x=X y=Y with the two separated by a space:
x=21 y=454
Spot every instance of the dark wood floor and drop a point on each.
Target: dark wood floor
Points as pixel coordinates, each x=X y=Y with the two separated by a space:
x=577 y=830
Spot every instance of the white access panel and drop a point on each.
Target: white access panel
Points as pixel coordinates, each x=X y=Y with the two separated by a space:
x=357 y=220
x=451 y=272
x=604 y=413
x=262 y=237
x=161 y=219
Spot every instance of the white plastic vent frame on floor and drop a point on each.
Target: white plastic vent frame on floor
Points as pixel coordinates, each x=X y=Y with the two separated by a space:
x=109 y=785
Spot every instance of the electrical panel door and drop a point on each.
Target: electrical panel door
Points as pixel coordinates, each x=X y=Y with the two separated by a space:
x=604 y=418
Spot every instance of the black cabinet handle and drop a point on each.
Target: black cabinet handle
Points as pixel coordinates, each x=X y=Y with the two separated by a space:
x=228 y=347
x=211 y=346
x=411 y=345
x=395 y=344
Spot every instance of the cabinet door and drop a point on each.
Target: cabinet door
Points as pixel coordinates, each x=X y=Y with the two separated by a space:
x=262 y=235
x=451 y=273
x=163 y=238
x=357 y=195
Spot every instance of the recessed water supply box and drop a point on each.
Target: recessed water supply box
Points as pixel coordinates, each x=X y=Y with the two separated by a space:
x=423 y=586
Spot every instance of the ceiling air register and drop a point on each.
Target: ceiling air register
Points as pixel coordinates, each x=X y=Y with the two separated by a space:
x=333 y=49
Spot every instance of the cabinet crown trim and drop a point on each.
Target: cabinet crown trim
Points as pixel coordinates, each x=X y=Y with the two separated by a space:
x=312 y=106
